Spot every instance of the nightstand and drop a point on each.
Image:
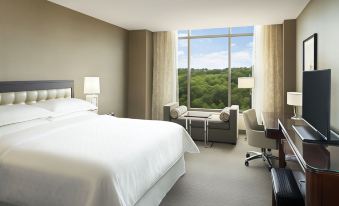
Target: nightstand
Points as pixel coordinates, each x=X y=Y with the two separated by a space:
x=111 y=114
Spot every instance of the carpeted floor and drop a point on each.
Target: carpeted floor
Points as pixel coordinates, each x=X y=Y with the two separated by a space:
x=218 y=177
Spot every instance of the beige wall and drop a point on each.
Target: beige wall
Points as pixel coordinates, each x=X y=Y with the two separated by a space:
x=40 y=40
x=322 y=17
x=140 y=74
x=289 y=60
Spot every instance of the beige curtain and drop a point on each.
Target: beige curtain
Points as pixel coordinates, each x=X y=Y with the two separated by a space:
x=164 y=71
x=269 y=62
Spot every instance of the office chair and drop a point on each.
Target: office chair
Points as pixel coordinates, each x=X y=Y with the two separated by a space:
x=256 y=137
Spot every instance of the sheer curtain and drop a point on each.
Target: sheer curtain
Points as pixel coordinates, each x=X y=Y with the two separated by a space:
x=268 y=69
x=164 y=71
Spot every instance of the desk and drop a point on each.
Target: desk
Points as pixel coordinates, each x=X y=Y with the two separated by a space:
x=188 y=126
x=319 y=162
x=271 y=125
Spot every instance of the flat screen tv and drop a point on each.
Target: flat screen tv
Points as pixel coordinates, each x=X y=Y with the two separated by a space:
x=317 y=101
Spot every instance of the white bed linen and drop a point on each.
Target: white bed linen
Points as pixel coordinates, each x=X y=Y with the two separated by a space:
x=8 y=129
x=156 y=194
x=64 y=106
x=72 y=115
x=88 y=160
x=12 y=114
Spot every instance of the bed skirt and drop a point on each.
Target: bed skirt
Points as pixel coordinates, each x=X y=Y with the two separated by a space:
x=156 y=193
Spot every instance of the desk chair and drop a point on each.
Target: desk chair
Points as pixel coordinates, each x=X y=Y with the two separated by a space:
x=256 y=137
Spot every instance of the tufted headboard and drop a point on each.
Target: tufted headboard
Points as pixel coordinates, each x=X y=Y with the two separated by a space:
x=30 y=92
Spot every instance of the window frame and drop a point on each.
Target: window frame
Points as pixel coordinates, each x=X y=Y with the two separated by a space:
x=229 y=36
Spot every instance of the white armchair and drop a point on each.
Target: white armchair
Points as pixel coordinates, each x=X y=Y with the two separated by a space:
x=256 y=137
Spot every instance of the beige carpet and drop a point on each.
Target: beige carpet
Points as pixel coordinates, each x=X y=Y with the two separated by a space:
x=218 y=177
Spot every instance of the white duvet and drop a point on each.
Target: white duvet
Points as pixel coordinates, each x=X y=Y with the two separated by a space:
x=88 y=160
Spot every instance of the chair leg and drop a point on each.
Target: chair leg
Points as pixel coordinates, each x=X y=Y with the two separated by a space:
x=272 y=157
x=273 y=198
x=252 y=153
x=258 y=156
x=268 y=160
x=267 y=157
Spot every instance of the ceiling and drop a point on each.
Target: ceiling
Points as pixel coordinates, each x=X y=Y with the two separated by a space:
x=165 y=15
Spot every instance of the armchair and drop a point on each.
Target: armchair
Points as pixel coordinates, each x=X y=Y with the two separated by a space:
x=218 y=130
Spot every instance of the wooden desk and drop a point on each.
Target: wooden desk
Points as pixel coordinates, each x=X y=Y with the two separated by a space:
x=318 y=161
x=271 y=125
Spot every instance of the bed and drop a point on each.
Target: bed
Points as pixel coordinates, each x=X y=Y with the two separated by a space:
x=84 y=159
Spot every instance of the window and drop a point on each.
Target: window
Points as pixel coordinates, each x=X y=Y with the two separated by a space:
x=209 y=64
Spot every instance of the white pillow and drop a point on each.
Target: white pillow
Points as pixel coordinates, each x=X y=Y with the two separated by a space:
x=177 y=112
x=65 y=106
x=225 y=114
x=11 y=114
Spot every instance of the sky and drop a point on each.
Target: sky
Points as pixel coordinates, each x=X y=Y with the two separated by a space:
x=212 y=53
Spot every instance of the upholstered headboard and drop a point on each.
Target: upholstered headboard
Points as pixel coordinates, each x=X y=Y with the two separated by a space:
x=30 y=92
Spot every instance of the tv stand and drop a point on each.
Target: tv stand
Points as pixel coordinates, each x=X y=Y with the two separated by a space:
x=316 y=164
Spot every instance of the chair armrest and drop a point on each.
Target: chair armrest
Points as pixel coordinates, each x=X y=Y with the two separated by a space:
x=234 y=114
x=234 y=107
x=167 y=110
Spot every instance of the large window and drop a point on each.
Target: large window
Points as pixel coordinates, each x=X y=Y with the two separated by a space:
x=209 y=64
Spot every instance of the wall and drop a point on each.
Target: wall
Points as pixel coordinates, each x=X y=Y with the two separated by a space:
x=40 y=40
x=322 y=17
x=289 y=60
x=139 y=78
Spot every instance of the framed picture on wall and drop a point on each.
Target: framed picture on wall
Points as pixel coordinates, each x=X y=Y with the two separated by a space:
x=310 y=53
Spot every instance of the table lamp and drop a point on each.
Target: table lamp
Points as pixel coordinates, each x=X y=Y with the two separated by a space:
x=295 y=99
x=246 y=82
x=92 y=89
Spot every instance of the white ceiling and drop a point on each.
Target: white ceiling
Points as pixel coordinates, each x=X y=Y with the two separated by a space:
x=164 y=15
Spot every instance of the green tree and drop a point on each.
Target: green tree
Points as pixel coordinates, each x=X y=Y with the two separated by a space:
x=209 y=88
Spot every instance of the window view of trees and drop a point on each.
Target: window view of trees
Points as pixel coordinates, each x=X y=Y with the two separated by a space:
x=213 y=80
x=208 y=88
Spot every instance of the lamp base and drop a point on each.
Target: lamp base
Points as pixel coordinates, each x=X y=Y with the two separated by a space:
x=296 y=118
x=93 y=99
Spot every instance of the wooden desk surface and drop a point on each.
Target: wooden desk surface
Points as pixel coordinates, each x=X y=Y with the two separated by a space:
x=271 y=124
x=270 y=120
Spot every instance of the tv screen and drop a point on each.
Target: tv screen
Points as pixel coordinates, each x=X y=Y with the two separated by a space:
x=317 y=100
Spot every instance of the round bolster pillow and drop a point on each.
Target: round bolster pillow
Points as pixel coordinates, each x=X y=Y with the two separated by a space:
x=177 y=112
x=225 y=114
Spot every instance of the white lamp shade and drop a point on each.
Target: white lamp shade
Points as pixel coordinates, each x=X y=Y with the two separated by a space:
x=92 y=85
x=246 y=82
x=294 y=98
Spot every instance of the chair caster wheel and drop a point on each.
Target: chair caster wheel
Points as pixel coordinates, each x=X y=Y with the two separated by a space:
x=246 y=163
x=247 y=155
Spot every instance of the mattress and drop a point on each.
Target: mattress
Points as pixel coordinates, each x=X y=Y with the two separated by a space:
x=88 y=160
